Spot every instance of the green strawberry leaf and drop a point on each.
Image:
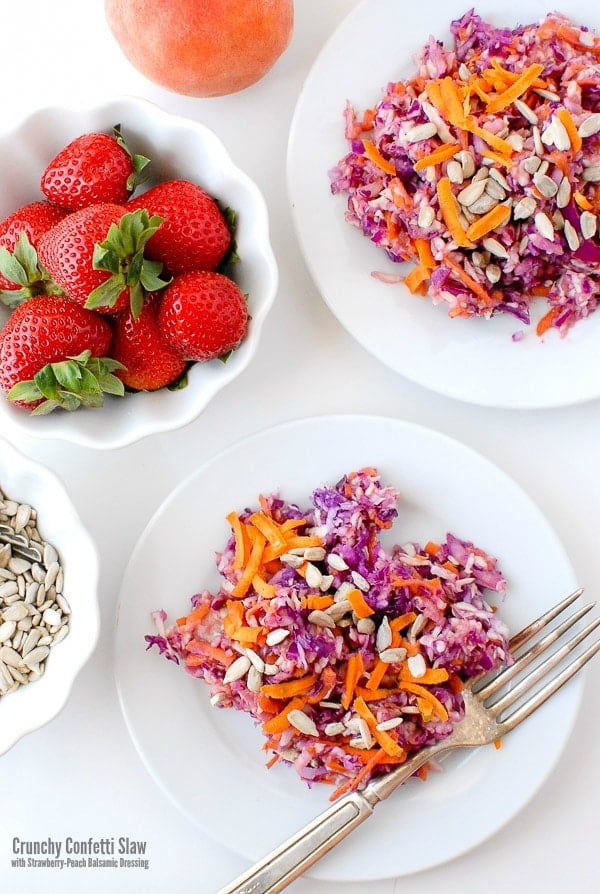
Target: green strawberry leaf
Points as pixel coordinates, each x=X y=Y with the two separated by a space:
x=139 y=162
x=122 y=255
x=180 y=383
x=232 y=256
x=76 y=381
x=24 y=269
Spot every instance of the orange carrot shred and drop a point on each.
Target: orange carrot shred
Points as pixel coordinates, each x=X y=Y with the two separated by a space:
x=387 y=742
x=360 y=606
x=517 y=89
x=252 y=566
x=443 y=153
x=242 y=546
x=546 y=321
x=354 y=671
x=449 y=209
x=290 y=688
x=373 y=153
x=416 y=278
x=488 y=222
x=471 y=283
x=567 y=120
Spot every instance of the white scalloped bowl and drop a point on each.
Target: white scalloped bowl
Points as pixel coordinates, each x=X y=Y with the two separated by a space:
x=177 y=147
x=35 y=704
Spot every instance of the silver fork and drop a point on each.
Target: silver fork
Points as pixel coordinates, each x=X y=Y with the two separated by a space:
x=485 y=720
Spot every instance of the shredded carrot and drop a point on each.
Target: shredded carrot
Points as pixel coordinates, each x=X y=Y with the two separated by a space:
x=387 y=742
x=488 y=222
x=431 y=677
x=400 y=197
x=377 y=675
x=273 y=760
x=360 y=606
x=546 y=321
x=314 y=602
x=504 y=160
x=517 y=89
x=247 y=634
x=424 y=252
x=424 y=693
x=234 y=618
x=496 y=143
x=354 y=671
x=373 y=153
x=452 y=102
x=416 y=278
x=290 y=688
x=431 y=548
x=252 y=566
x=280 y=722
x=449 y=209
x=471 y=283
x=327 y=683
x=541 y=291
x=581 y=200
x=242 y=545
x=352 y=784
x=497 y=744
x=402 y=621
x=265 y=590
x=443 y=153
x=269 y=528
x=194 y=616
x=212 y=652
x=293 y=541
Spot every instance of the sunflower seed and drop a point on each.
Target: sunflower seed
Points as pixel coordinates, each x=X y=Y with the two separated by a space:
x=467 y=163
x=365 y=625
x=532 y=163
x=495 y=248
x=425 y=219
x=334 y=560
x=472 y=192
x=291 y=559
x=478 y=259
x=334 y=729
x=516 y=141
x=386 y=725
x=591 y=174
x=416 y=665
x=15 y=612
x=524 y=208
x=321 y=619
x=337 y=611
x=463 y=72
x=237 y=669
x=360 y=582
x=563 y=195
x=393 y=656
x=493 y=273
x=217 y=698
x=302 y=722
x=22 y=517
x=10 y=656
x=546 y=185
x=499 y=177
x=558 y=220
x=525 y=111
x=483 y=205
x=494 y=189
x=547 y=94
x=33 y=658
x=312 y=575
x=255 y=660
x=571 y=236
x=454 y=172
x=544 y=226
x=383 y=640
x=537 y=140
x=7 y=628
x=254 y=680
x=314 y=554
x=590 y=126
x=588 y=223
x=276 y=636
x=420 y=132
x=326 y=582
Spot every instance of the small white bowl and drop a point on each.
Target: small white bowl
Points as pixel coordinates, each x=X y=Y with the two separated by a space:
x=34 y=704
x=177 y=147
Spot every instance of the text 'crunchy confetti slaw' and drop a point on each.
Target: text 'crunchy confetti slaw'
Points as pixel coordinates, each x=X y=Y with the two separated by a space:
x=484 y=169
x=349 y=655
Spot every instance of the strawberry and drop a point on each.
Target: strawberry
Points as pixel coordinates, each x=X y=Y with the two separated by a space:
x=96 y=255
x=94 y=168
x=194 y=234
x=52 y=354
x=20 y=274
x=139 y=346
x=203 y=315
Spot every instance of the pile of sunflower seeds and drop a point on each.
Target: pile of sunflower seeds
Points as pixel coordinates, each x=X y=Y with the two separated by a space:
x=34 y=615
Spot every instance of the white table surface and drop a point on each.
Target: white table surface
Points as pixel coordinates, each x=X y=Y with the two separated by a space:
x=80 y=776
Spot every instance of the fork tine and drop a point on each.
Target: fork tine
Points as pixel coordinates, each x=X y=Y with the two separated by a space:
x=519 y=639
x=487 y=690
x=549 y=689
x=539 y=672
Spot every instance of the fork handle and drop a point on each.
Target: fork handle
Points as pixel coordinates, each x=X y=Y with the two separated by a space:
x=292 y=858
x=287 y=862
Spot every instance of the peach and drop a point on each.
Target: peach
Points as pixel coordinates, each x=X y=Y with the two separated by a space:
x=202 y=49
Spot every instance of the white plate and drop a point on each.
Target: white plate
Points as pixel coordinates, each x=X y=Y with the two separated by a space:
x=210 y=762
x=474 y=360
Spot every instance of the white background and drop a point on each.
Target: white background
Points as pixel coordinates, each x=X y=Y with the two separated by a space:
x=80 y=776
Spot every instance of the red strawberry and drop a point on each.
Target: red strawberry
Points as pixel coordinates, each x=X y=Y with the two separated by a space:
x=93 y=168
x=33 y=220
x=138 y=344
x=99 y=264
x=53 y=330
x=194 y=234
x=203 y=315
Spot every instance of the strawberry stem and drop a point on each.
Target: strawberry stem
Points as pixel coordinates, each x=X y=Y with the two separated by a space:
x=139 y=162
x=82 y=380
x=122 y=255
x=22 y=267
